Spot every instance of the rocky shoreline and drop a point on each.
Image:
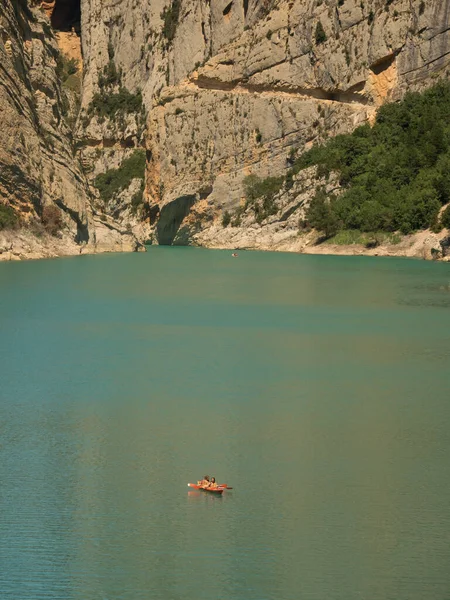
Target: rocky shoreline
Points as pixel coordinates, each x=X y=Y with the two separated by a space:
x=24 y=245
x=425 y=245
x=26 y=249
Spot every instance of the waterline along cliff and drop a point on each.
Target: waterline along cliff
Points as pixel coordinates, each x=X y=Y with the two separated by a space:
x=180 y=122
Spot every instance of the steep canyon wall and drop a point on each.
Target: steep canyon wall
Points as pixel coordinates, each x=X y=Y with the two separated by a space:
x=230 y=88
x=181 y=99
x=41 y=179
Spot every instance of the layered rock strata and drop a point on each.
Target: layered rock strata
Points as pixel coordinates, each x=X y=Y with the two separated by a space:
x=38 y=166
x=210 y=91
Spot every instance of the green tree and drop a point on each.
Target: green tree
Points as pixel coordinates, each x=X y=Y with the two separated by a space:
x=321 y=216
x=226 y=219
x=320 y=34
x=395 y=175
x=8 y=218
x=445 y=218
x=116 y=180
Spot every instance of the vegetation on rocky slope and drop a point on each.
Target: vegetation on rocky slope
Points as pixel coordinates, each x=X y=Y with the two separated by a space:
x=395 y=176
x=260 y=195
x=8 y=218
x=50 y=220
x=113 y=100
x=68 y=73
x=115 y=180
x=108 y=105
x=170 y=17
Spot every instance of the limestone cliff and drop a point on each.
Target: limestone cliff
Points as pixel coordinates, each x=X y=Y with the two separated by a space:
x=209 y=91
x=41 y=182
x=230 y=88
x=303 y=71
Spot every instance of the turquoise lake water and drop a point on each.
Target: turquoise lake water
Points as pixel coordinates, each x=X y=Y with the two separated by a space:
x=318 y=387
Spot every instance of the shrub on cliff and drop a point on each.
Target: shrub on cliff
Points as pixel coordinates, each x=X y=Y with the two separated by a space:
x=226 y=219
x=65 y=67
x=170 y=17
x=52 y=219
x=137 y=200
x=116 y=180
x=109 y=105
x=445 y=218
x=320 y=34
x=260 y=195
x=256 y=188
x=8 y=218
x=110 y=76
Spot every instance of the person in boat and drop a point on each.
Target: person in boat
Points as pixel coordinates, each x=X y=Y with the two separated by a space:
x=204 y=482
x=212 y=483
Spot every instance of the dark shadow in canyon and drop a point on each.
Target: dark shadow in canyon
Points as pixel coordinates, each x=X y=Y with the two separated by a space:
x=66 y=15
x=171 y=217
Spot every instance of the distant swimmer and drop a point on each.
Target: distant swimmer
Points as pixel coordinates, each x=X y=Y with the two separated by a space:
x=234 y=255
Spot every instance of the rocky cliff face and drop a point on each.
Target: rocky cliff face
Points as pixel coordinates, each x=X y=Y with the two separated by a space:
x=40 y=176
x=212 y=91
x=37 y=164
x=230 y=88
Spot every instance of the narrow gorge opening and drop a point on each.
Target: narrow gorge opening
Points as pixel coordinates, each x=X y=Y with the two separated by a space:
x=65 y=18
x=66 y=15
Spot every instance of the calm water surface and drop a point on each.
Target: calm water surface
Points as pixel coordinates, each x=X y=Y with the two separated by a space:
x=318 y=387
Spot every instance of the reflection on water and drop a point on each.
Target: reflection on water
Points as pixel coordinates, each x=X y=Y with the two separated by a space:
x=316 y=386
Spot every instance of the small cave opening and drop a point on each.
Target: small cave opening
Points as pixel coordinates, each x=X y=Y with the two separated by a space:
x=66 y=15
x=226 y=11
x=383 y=64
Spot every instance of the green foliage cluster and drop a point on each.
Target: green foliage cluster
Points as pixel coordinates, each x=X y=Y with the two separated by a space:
x=109 y=105
x=445 y=218
x=321 y=215
x=65 y=67
x=110 y=76
x=116 y=180
x=395 y=175
x=67 y=70
x=114 y=101
x=226 y=218
x=170 y=17
x=320 y=34
x=8 y=218
x=137 y=201
x=260 y=195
